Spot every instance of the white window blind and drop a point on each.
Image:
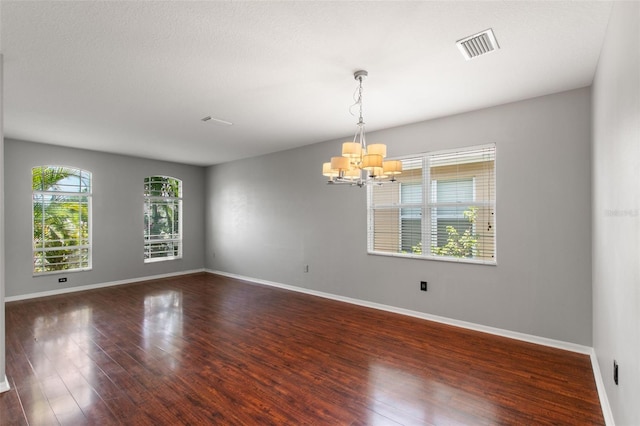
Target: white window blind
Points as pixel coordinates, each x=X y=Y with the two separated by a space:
x=61 y=201
x=441 y=207
x=162 y=218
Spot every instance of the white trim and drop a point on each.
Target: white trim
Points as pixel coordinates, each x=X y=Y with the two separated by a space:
x=602 y=392
x=4 y=385
x=602 y=395
x=435 y=257
x=99 y=285
x=558 y=344
x=567 y=346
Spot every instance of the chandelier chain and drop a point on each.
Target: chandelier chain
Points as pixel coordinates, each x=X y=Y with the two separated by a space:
x=360 y=99
x=357 y=97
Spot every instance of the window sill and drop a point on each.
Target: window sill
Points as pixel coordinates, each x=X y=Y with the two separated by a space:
x=436 y=258
x=162 y=259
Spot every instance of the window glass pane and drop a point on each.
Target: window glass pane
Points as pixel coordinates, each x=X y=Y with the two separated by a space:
x=453 y=231
x=411 y=230
x=162 y=186
x=397 y=216
x=61 y=220
x=162 y=218
x=453 y=190
x=411 y=193
x=386 y=235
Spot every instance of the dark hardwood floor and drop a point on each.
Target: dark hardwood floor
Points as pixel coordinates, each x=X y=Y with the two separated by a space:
x=205 y=349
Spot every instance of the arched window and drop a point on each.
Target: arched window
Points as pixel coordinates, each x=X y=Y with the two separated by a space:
x=162 y=218
x=61 y=219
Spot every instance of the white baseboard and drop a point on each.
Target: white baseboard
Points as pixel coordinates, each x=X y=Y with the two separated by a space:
x=94 y=286
x=573 y=347
x=602 y=393
x=568 y=346
x=4 y=385
x=604 y=402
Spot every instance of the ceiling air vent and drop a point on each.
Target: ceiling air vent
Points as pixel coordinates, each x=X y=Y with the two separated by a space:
x=478 y=44
x=216 y=120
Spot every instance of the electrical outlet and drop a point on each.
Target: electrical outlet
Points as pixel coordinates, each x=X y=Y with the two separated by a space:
x=305 y=268
x=615 y=371
x=423 y=286
x=62 y=280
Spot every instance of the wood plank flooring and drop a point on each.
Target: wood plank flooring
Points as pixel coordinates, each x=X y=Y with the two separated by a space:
x=205 y=349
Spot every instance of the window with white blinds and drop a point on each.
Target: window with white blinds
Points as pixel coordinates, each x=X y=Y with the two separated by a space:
x=162 y=218
x=61 y=201
x=442 y=206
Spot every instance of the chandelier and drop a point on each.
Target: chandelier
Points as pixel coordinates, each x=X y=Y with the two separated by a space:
x=360 y=164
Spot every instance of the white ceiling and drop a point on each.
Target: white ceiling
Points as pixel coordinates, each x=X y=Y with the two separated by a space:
x=136 y=77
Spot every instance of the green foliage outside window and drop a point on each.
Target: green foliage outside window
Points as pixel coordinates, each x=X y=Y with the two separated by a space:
x=457 y=245
x=60 y=218
x=163 y=203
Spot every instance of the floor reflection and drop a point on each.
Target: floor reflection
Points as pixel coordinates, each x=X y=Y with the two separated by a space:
x=410 y=398
x=205 y=350
x=62 y=364
x=163 y=325
x=76 y=318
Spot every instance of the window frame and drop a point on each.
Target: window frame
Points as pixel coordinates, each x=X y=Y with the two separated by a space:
x=427 y=206
x=148 y=240
x=44 y=193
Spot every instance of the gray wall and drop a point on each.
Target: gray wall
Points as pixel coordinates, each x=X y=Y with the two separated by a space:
x=117 y=216
x=268 y=216
x=616 y=211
